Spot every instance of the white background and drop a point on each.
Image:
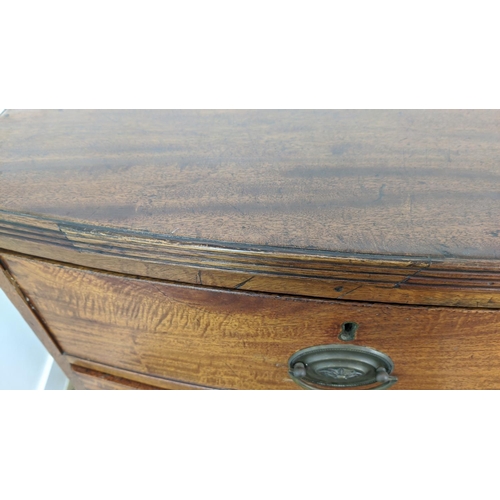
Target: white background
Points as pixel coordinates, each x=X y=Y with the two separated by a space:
x=247 y=445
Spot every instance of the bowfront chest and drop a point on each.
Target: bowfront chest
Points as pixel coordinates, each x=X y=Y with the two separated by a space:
x=256 y=249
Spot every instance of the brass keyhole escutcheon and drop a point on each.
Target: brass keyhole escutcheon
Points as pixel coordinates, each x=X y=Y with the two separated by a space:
x=348 y=331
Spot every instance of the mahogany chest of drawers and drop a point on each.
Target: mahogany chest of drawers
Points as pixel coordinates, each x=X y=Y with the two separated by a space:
x=256 y=249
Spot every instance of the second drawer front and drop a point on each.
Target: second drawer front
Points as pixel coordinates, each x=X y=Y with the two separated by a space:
x=231 y=339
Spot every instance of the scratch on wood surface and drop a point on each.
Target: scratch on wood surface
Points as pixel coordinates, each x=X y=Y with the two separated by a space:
x=381 y=193
x=244 y=282
x=402 y=282
x=237 y=209
x=198 y=278
x=347 y=293
x=160 y=290
x=232 y=369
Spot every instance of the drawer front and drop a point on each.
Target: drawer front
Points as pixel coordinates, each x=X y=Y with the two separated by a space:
x=92 y=379
x=231 y=339
x=94 y=375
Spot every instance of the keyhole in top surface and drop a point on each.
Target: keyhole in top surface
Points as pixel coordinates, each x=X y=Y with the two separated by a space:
x=348 y=331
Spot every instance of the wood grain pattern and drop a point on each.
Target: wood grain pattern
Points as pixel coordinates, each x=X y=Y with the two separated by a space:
x=79 y=364
x=398 y=183
x=235 y=339
x=270 y=214
x=456 y=283
x=92 y=379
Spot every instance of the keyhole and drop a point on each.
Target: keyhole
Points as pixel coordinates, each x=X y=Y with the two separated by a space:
x=348 y=331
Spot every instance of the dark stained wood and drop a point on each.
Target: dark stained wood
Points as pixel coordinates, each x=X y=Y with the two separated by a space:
x=459 y=283
x=200 y=249
x=235 y=339
x=396 y=183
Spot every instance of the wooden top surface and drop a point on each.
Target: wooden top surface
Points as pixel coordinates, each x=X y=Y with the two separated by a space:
x=400 y=183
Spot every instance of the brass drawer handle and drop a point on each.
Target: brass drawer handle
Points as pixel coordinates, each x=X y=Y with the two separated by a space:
x=336 y=366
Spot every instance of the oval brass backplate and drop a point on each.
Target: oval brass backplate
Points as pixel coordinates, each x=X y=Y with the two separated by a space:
x=341 y=366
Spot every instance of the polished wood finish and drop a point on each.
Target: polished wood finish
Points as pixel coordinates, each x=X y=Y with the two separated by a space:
x=233 y=339
x=460 y=282
x=200 y=249
x=404 y=183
